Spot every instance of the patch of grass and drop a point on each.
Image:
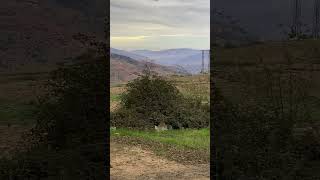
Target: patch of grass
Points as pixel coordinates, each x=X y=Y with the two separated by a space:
x=188 y=138
x=114 y=97
x=11 y=113
x=16 y=91
x=118 y=85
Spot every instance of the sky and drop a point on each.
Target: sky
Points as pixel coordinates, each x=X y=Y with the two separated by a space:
x=160 y=24
x=262 y=17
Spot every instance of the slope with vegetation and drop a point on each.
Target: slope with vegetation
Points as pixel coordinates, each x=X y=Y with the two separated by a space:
x=266 y=111
x=40 y=33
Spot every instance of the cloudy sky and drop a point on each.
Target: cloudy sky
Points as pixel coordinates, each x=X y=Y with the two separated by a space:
x=160 y=24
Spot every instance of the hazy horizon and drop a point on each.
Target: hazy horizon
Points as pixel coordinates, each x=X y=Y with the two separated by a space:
x=130 y=50
x=160 y=24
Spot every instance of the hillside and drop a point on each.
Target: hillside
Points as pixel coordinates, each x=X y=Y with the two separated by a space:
x=40 y=32
x=269 y=87
x=235 y=68
x=123 y=68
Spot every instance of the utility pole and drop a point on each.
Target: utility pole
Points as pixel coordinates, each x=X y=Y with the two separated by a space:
x=202 y=68
x=296 y=24
x=209 y=61
x=316 y=18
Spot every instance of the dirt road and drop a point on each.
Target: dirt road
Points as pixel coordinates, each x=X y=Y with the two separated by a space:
x=132 y=162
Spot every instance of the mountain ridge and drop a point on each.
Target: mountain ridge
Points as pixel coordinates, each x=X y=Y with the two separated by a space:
x=123 y=68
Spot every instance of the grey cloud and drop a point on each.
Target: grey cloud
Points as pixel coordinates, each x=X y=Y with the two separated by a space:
x=160 y=19
x=172 y=13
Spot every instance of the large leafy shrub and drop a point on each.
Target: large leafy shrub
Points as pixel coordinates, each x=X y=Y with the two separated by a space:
x=151 y=99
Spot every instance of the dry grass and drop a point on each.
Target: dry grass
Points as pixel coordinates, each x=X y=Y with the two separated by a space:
x=303 y=57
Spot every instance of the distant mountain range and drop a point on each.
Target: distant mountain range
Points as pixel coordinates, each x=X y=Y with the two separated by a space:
x=189 y=60
x=128 y=54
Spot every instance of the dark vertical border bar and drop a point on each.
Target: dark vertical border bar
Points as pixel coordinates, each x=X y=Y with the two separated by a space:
x=107 y=58
x=213 y=174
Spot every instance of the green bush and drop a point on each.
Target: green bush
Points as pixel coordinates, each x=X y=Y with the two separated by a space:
x=151 y=99
x=73 y=111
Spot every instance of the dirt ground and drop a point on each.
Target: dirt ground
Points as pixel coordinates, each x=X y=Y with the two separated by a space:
x=9 y=138
x=132 y=162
